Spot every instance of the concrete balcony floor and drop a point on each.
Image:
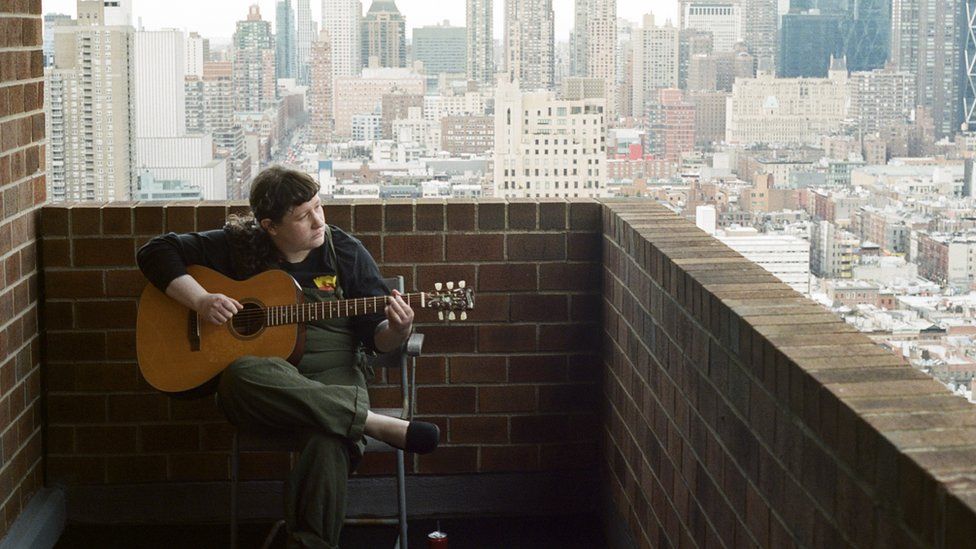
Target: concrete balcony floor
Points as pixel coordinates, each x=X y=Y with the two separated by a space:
x=567 y=532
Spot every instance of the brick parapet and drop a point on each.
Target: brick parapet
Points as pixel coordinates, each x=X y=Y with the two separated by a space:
x=22 y=191
x=738 y=412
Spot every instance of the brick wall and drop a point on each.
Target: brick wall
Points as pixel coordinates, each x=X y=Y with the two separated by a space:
x=514 y=388
x=21 y=193
x=740 y=413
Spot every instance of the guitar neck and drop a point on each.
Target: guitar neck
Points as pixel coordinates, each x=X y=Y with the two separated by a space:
x=279 y=315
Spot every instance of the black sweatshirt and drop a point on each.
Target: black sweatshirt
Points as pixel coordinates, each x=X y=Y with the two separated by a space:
x=166 y=257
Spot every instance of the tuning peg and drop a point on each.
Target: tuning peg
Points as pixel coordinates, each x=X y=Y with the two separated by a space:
x=461 y=284
x=464 y=315
x=437 y=286
x=440 y=315
x=450 y=285
x=450 y=316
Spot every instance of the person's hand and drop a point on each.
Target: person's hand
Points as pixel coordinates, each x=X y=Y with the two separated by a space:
x=399 y=314
x=217 y=308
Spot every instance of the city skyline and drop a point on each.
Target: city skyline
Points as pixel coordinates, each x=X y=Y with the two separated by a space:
x=216 y=20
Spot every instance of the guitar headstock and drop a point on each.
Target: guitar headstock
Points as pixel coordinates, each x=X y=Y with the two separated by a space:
x=448 y=298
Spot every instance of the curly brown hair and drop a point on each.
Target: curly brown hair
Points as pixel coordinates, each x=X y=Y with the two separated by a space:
x=274 y=192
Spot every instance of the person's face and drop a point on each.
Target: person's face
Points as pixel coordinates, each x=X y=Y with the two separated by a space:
x=301 y=229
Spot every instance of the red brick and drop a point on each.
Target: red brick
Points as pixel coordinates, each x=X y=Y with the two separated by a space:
x=121 y=345
x=570 y=276
x=571 y=456
x=510 y=338
x=443 y=400
x=102 y=378
x=490 y=308
x=338 y=214
x=367 y=217
x=552 y=216
x=105 y=314
x=507 y=398
x=584 y=246
x=75 y=345
x=180 y=217
x=103 y=252
x=449 y=459
x=584 y=216
x=534 y=429
x=54 y=221
x=73 y=284
x=76 y=469
x=569 y=337
x=198 y=466
x=522 y=214
x=124 y=282
x=211 y=217
x=478 y=369
x=398 y=217
x=72 y=409
x=460 y=216
x=117 y=218
x=449 y=338
x=105 y=439
x=539 y=308
x=430 y=217
x=537 y=368
x=86 y=220
x=138 y=468
x=507 y=277
x=475 y=247
x=491 y=215
x=536 y=247
x=60 y=440
x=413 y=248
x=170 y=438
x=509 y=458
x=568 y=398
x=478 y=430
x=138 y=408
x=148 y=219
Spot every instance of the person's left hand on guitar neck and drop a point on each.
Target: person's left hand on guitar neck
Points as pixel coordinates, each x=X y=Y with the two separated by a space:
x=399 y=314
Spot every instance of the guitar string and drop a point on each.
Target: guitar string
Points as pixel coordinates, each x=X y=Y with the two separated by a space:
x=299 y=309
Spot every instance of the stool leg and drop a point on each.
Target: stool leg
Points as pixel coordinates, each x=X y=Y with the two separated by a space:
x=234 y=456
x=402 y=499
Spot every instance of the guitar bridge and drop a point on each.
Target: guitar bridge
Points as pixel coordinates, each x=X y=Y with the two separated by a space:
x=193 y=330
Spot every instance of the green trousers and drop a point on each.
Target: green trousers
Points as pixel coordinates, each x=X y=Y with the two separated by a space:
x=331 y=405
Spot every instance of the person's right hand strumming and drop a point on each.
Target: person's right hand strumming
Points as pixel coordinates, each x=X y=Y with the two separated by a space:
x=216 y=308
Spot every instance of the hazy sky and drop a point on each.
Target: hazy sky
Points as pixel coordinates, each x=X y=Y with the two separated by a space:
x=217 y=18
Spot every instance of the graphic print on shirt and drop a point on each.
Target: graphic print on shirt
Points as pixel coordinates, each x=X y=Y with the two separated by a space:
x=325 y=282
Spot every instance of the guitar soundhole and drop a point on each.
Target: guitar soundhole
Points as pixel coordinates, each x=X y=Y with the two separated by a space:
x=249 y=321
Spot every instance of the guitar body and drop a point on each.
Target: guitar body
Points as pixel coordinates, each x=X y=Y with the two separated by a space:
x=176 y=353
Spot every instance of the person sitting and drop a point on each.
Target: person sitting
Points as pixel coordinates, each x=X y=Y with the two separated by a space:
x=325 y=393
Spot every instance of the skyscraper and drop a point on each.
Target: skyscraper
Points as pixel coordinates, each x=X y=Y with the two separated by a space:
x=655 y=62
x=969 y=66
x=760 y=30
x=50 y=21
x=383 y=35
x=596 y=30
x=255 y=87
x=722 y=18
x=163 y=147
x=341 y=19
x=481 y=65
x=441 y=49
x=808 y=41
x=88 y=91
x=927 y=40
x=868 y=34
x=529 y=47
x=285 y=40
x=320 y=119
x=305 y=33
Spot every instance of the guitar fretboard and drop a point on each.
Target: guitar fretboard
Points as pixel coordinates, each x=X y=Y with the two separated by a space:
x=309 y=312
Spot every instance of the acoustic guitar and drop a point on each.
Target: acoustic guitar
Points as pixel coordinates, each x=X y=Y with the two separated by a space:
x=178 y=352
